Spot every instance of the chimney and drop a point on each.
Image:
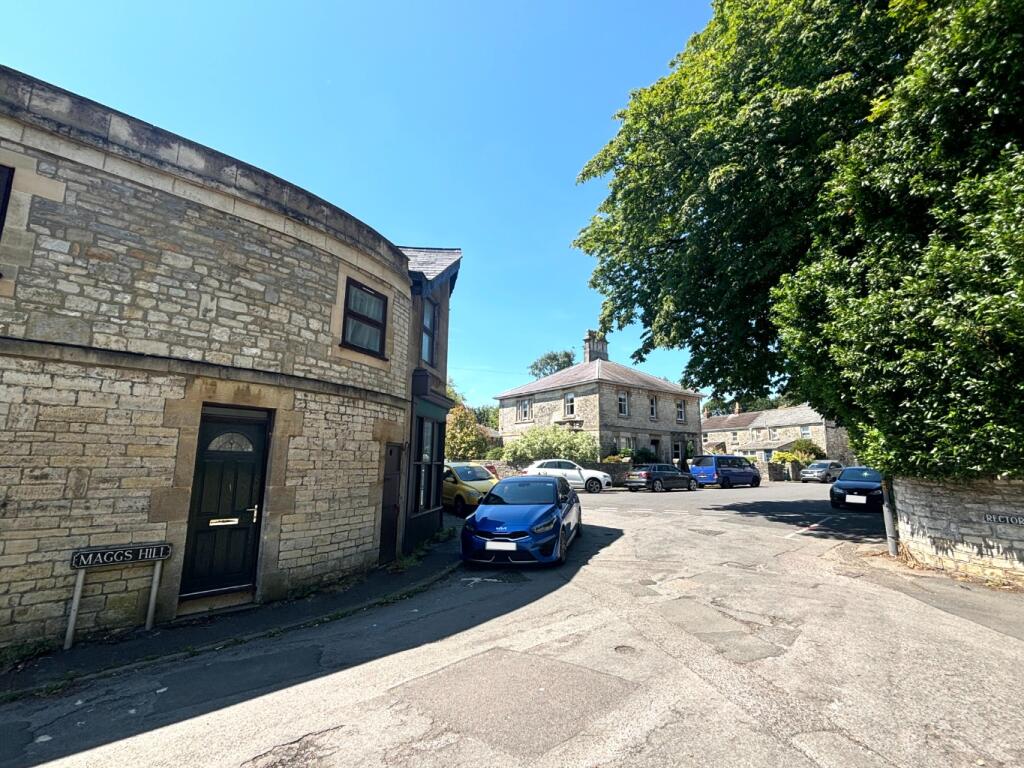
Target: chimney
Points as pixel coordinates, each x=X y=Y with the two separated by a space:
x=594 y=347
x=736 y=407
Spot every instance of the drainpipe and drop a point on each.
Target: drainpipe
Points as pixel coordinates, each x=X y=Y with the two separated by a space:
x=889 y=515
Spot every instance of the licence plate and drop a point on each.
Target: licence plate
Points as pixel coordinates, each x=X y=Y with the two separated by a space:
x=501 y=546
x=857 y=499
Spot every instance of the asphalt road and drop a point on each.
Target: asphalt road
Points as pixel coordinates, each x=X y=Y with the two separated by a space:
x=748 y=627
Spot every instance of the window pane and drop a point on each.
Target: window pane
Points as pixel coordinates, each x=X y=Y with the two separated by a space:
x=428 y=315
x=360 y=334
x=427 y=348
x=427 y=441
x=365 y=303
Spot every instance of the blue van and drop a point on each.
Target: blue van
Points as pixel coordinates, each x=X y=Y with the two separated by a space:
x=724 y=471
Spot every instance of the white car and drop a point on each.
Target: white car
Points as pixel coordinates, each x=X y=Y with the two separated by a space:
x=589 y=479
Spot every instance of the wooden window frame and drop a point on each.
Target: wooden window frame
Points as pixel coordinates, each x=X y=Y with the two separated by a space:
x=6 y=183
x=652 y=408
x=529 y=409
x=569 y=404
x=680 y=409
x=431 y=332
x=622 y=399
x=382 y=325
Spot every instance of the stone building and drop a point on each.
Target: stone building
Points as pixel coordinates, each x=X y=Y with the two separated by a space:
x=197 y=352
x=622 y=407
x=760 y=433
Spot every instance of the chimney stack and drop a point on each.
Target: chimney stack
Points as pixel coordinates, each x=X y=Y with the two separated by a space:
x=736 y=407
x=594 y=347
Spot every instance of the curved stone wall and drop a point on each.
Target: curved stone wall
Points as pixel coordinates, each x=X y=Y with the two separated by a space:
x=975 y=528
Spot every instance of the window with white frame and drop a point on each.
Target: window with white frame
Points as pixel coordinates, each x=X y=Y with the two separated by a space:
x=773 y=434
x=623 y=404
x=570 y=404
x=626 y=442
x=524 y=409
x=681 y=411
x=755 y=434
x=677 y=451
x=734 y=436
x=706 y=437
x=654 y=407
x=805 y=431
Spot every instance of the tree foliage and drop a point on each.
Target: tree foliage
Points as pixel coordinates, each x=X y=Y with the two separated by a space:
x=463 y=439
x=716 y=172
x=720 y=406
x=907 y=322
x=552 y=362
x=487 y=415
x=552 y=442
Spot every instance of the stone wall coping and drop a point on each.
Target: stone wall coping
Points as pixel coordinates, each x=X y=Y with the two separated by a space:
x=42 y=105
x=68 y=353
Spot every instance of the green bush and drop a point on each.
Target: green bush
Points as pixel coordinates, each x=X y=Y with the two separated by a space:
x=552 y=443
x=497 y=453
x=644 y=456
x=806 y=450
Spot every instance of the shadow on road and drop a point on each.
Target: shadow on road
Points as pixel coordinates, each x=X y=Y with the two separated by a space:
x=127 y=705
x=828 y=523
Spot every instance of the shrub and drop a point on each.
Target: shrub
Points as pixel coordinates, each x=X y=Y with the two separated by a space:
x=463 y=440
x=643 y=456
x=497 y=453
x=552 y=443
x=805 y=450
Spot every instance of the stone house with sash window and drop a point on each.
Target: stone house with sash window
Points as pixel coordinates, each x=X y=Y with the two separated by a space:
x=622 y=407
x=194 y=351
x=758 y=434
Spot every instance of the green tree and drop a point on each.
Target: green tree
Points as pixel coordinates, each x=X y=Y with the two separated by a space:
x=907 y=321
x=486 y=415
x=463 y=439
x=552 y=442
x=716 y=171
x=453 y=393
x=552 y=362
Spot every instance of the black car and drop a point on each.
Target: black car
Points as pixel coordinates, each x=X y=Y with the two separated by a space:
x=659 y=477
x=857 y=488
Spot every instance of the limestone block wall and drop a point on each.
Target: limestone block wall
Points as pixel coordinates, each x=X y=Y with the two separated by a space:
x=100 y=454
x=975 y=528
x=549 y=407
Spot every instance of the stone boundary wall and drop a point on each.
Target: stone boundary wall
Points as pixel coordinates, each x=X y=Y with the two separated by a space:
x=975 y=528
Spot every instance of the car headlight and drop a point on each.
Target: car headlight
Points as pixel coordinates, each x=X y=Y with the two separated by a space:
x=471 y=494
x=876 y=492
x=545 y=526
x=469 y=523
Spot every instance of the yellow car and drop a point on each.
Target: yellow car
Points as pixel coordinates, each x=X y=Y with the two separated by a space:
x=464 y=485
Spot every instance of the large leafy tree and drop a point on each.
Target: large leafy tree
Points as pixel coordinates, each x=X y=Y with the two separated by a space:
x=552 y=362
x=716 y=172
x=907 y=320
x=463 y=439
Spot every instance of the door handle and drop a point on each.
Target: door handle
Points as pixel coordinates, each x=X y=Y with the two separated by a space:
x=255 y=510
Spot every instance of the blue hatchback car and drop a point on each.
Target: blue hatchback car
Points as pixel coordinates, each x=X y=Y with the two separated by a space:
x=724 y=471
x=527 y=519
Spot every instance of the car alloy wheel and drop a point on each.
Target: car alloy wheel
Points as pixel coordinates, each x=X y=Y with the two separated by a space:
x=658 y=486
x=593 y=485
x=692 y=485
x=563 y=548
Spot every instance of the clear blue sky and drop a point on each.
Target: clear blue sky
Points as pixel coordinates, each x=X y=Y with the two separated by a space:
x=457 y=124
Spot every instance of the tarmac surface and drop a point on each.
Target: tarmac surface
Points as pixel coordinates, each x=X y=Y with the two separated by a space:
x=741 y=627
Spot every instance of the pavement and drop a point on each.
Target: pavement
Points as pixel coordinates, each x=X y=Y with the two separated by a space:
x=193 y=635
x=741 y=627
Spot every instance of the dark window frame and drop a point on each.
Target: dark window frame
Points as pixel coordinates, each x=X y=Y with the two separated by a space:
x=382 y=325
x=433 y=477
x=6 y=184
x=429 y=332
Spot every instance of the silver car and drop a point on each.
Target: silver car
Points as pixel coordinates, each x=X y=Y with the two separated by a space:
x=823 y=471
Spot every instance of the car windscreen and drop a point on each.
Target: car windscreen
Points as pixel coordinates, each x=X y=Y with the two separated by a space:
x=469 y=474
x=522 y=492
x=818 y=465
x=861 y=475
x=704 y=461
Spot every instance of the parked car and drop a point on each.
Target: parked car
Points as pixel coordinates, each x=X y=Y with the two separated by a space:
x=463 y=485
x=724 y=471
x=578 y=477
x=823 y=471
x=523 y=519
x=857 y=487
x=659 y=477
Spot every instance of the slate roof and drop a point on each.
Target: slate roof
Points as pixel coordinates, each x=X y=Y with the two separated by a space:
x=733 y=421
x=431 y=262
x=597 y=370
x=775 y=417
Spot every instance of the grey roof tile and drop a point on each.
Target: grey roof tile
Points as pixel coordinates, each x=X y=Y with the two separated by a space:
x=430 y=262
x=597 y=370
x=774 y=417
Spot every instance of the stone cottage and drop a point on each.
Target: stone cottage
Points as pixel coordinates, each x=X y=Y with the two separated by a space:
x=622 y=407
x=194 y=351
x=758 y=434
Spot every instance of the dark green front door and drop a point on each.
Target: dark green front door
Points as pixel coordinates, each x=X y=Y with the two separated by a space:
x=227 y=490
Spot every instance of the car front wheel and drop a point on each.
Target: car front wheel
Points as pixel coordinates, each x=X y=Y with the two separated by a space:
x=658 y=486
x=563 y=549
x=593 y=485
x=755 y=482
x=692 y=485
x=460 y=506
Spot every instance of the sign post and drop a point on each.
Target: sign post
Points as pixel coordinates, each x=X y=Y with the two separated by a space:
x=83 y=559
